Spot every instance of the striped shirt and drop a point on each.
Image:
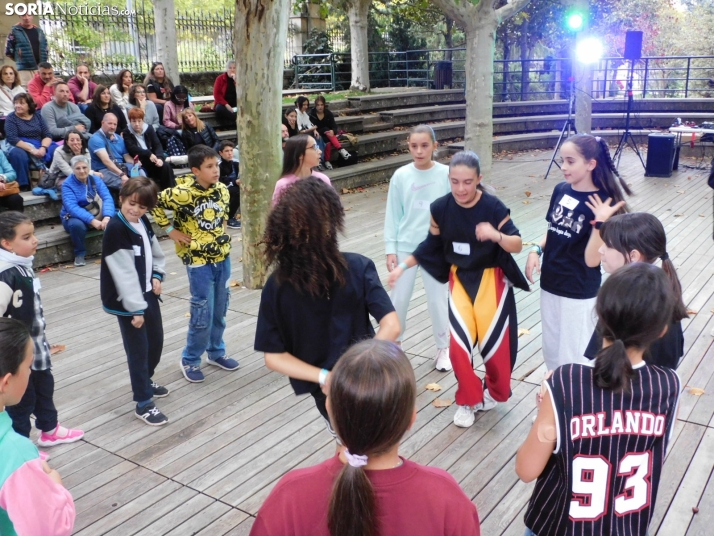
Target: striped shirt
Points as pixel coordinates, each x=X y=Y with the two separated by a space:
x=603 y=476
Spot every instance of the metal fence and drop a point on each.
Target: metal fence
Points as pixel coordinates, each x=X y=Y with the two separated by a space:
x=111 y=43
x=516 y=80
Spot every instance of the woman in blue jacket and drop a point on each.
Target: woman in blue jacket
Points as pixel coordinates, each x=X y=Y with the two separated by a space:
x=86 y=202
x=8 y=175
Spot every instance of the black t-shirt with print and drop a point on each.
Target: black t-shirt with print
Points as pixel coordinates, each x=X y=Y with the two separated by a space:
x=160 y=91
x=319 y=330
x=564 y=272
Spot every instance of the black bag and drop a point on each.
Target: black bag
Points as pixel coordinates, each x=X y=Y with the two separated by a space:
x=351 y=161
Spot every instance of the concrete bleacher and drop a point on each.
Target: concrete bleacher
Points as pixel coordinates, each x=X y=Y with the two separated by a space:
x=381 y=123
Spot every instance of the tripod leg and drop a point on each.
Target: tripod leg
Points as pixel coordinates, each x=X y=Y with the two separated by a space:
x=557 y=146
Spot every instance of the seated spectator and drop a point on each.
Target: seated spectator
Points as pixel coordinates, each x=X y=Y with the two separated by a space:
x=8 y=175
x=178 y=103
x=74 y=145
x=61 y=115
x=224 y=96
x=290 y=122
x=81 y=86
x=284 y=134
x=29 y=138
x=230 y=176
x=9 y=87
x=109 y=154
x=86 y=203
x=120 y=88
x=300 y=155
x=41 y=87
x=196 y=132
x=305 y=126
x=367 y=488
x=324 y=120
x=141 y=140
x=102 y=104
x=158 y=87
x=137 y=99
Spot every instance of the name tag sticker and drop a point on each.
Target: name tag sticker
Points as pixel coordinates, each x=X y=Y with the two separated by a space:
x=462 y=248
x=137 y=251
x=569 y=202
x=36 y=284
x=421 y=205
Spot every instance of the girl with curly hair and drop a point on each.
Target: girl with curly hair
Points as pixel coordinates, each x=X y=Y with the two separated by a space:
x=317 y=302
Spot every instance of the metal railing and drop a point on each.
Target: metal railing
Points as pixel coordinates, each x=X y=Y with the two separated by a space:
x=516 y=80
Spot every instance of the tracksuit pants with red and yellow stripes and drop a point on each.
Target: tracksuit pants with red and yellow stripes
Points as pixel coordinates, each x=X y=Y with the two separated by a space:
x=482 y=310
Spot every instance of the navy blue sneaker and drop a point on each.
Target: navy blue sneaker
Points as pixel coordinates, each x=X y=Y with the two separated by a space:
x=233 y=223
x=226 y=363
x=191 y=373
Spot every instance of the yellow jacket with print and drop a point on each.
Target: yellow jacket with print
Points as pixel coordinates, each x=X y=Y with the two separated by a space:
x=199 y=213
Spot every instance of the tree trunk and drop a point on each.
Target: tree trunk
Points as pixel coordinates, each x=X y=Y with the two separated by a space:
x=261 y=32
x=480 y=49
x=166 y=45
x=449 y=37
x=506 y=70
x=358 y=13
x=525 y=67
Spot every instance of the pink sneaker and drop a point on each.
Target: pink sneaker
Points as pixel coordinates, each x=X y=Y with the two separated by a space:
x=58 y=436
x=44 y=456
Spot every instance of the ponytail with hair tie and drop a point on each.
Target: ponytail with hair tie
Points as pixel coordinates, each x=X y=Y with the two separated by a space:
x=664 y=257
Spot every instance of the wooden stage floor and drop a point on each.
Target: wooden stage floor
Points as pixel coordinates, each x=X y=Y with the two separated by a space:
x=232 y=437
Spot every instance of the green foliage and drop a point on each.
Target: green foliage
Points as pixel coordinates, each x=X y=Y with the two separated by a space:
x=318 y=42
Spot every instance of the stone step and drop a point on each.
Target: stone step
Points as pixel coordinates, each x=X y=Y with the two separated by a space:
x=405 y=99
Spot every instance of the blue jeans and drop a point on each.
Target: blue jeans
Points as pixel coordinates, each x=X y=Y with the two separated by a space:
x=20 y=161
x=77 y=230
x=210 y=295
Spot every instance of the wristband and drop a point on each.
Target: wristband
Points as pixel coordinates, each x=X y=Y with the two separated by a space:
x=403 y=266
x=537 y=249
x=322 y=378
x=169 y=229
x=597 y=224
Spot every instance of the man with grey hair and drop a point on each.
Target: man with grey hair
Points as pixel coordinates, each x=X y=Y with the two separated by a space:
x=109 y=154
x=224 y=96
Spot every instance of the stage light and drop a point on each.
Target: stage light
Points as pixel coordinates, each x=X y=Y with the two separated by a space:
x=589 y=51
x=575 y=21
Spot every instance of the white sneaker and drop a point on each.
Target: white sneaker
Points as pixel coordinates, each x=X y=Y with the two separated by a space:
x=488 y=402
x=442 y=362
x=328 y=165
x=464 y=416
x=178 y=160
x=344 y=154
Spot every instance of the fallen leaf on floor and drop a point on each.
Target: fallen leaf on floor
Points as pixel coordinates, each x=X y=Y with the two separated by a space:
x=696 y=391
x=98 y=261
x=240 y=260
x=678 y=215
x=345 y=191
x=187 y=315
x=439 y=403
x=433 y=387
x=523 y=331
x=172 y=273
x=235 y=283
x=692 y=312
x=528 y=194
x=701 y=215
x=348 y=208
x=526 y=202
x=681 y=191
x=57 y=348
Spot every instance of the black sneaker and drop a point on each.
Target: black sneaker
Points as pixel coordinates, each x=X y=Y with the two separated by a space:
x=159 y=390
x=151 y=415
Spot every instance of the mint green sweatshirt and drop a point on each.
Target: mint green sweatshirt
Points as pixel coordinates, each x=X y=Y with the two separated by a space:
x=411 y=191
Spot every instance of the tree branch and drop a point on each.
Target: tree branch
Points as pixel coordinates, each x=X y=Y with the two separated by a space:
x=462 y=11
x=508 y=10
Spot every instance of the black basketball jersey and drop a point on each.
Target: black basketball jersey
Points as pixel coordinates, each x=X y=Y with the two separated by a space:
x=603 y=476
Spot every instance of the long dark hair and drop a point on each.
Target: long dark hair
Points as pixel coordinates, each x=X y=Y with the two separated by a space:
x=292 y=131
x=645 y=233
x=179 y=90
x=97 y=97
x=301 y=238
x=372 y=398
x=13 y=340
x=294 y=150
x=132 y=93
x=119 y=82
x=468 y=159
x=66 y=148
x=592 y=148
x=9 y=220
x=634 y=306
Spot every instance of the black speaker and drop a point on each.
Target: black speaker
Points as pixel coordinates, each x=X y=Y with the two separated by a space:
x=633 y=45
x=660 y=155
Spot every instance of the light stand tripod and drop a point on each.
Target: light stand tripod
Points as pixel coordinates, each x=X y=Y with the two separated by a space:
x=627 y=137
x=568 y=128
